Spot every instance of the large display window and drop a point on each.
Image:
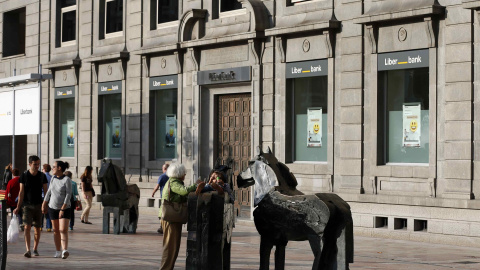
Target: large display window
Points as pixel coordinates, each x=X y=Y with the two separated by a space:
x=307 y=111
x=110 y=119
x=163 y=117
x=403 y=107
x=65 y=131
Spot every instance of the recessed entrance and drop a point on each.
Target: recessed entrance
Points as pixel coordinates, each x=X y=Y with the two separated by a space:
x=20 y=151
x=234 y=142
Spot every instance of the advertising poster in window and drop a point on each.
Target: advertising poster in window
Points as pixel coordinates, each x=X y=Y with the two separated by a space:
x=6 y=113
x=171 y=130
x=116 y=134
x=411 y=125
x=314 y=127
x=27 y=111
x=70 y=133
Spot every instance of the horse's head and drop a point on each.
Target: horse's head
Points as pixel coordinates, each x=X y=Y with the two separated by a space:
x=266 y=172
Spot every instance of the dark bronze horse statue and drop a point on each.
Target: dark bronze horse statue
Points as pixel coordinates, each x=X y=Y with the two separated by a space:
x=284 y=214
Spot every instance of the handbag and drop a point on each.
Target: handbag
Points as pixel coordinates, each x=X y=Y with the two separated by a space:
x=172 y=211
x=78 y=205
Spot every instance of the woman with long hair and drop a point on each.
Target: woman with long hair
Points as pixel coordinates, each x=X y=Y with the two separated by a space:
x=7 y=175
x=57 y=204
x=87 y=189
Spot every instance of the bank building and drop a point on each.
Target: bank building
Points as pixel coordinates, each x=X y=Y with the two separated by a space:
x=374 y=100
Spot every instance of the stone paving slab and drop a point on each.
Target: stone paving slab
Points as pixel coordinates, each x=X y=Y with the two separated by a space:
x=90 y=249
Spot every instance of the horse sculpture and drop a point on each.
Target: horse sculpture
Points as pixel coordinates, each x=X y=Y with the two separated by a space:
x=118 y=198
x=284 y=214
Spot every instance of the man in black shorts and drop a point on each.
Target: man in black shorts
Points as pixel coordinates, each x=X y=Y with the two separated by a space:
x=32 y=182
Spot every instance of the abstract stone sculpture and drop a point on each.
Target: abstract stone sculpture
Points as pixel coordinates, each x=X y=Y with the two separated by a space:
x=210 y=226
x=285 y=214
x=118 y=198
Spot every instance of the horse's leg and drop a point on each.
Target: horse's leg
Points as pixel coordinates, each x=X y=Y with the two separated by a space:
x=265 y=249
x=280 y=257
x=316 y=245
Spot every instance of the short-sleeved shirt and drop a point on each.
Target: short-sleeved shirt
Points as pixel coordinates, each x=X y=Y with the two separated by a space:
x=86 y=184
x=162 y=180
x=33 y=187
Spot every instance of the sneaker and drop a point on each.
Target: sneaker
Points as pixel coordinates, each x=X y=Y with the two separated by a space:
x=49 y=230
x=27 y=254
x=71 y=228
x=65 y=254
x=35 y=252
x=58 y=254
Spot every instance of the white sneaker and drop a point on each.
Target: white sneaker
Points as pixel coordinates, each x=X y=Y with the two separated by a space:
x=65 y=254
x=58 y=254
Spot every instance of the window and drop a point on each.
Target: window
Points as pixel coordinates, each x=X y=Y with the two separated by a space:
x=164 y=112
x=65 y=127
x=111 y=106
x=113 y=17
x=307 y=118
x=229 y=5
x=110 y=135
x=403 y=116
x=14 y=32
x=163 y=117
x=167 y=11
x=68 y=21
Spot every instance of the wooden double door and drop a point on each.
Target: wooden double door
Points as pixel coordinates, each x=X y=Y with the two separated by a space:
x=234 y=142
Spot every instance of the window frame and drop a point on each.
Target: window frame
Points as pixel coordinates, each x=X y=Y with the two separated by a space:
x=113 y=34
x=62 y=11
x=291 y=123
x=17 y=53
x=169 y=23
x=383 y=120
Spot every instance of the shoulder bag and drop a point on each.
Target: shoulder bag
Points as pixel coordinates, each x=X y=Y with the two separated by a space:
x=172 y=211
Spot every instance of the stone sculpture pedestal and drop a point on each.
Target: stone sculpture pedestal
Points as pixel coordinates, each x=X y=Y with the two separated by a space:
x=121 y=220
x=210 y=226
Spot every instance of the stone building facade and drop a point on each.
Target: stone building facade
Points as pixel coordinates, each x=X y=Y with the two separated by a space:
x=387 y=88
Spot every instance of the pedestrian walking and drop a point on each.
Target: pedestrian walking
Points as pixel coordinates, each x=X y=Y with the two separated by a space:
x=88 y=193
x=162 y=180
x=74 y=199
x=13 y=188
x=57 y=204
x=46 y=170
x=32 y=182
x=7 y=176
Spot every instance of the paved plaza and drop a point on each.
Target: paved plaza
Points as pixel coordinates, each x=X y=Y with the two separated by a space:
x=90 y=249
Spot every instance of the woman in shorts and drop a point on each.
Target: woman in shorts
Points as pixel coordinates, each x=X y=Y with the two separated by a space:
x=58 y=199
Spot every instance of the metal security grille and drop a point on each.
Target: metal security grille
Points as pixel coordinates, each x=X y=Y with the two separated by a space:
x=234 y=127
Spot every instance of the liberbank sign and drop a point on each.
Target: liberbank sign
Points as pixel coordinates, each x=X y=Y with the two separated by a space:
x=403 y=60
x=306 y=69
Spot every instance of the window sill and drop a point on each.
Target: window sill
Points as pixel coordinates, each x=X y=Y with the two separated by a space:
x=407 y=164
x=68 y=43
x=13 y=56
x=167 y=25
x=114 y=35
x=233 y=13
x=309 y=162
